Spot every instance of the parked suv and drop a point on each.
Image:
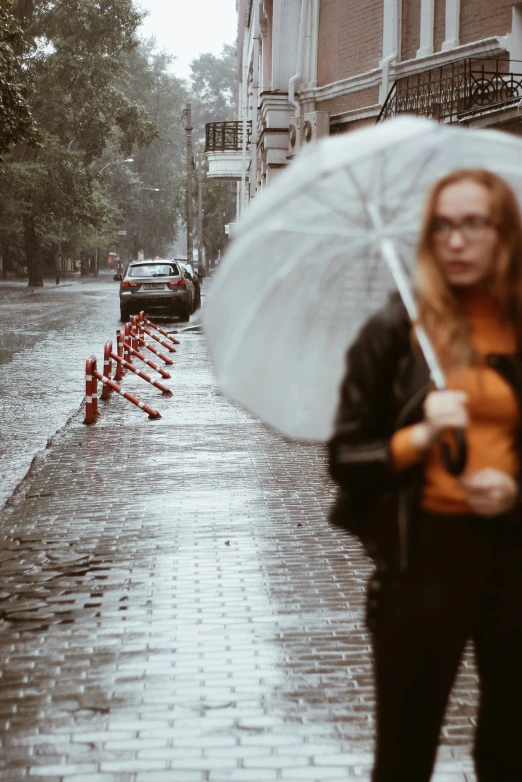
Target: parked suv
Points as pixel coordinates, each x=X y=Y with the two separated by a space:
x=194 y=277
x=156 y=286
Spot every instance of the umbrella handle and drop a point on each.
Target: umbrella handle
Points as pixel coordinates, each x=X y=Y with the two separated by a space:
x=455 y=452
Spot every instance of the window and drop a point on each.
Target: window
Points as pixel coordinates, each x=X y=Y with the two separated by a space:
x=154 y=270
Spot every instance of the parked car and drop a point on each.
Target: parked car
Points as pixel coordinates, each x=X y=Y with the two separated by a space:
x=194 y=277
x=156 y=286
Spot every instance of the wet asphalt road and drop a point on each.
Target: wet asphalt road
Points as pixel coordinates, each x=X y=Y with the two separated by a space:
x=45 y=336
x=174 y=606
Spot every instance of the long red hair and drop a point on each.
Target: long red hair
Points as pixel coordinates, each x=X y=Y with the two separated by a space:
x=440 y=311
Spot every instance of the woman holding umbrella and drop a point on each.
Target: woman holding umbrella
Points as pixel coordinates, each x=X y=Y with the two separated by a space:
x=448 y=547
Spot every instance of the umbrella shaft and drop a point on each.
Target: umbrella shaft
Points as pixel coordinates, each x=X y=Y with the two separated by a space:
x=429 y=355
x=390 y=255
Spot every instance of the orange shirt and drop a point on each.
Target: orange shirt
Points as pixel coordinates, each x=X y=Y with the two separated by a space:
x=493 y=413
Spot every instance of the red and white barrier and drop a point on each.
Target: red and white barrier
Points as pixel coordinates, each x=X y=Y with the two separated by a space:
x=134 y=337
x=151 y=364
x=128 y=346
x=91 y=391
x=107 y=369
x=135 y=326
x=127 y=343
x=152 y=325
x=120 y=349
x=140 y=341
x=109 y=356
x=145 y=330
x=125 y=394
x=92 y=376
x=132 y=342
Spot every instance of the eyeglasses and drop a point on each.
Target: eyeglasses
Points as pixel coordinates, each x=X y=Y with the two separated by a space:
x=472 y=228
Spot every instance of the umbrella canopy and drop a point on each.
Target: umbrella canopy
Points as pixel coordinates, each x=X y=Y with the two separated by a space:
x=305 y=268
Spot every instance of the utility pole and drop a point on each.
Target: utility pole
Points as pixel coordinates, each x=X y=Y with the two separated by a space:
x=96 y=252
x=200 y=214
x=58 y=267
x=190 y=166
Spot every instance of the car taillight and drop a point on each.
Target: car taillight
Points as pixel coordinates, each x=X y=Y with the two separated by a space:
x=127 y=284
x=177 y=283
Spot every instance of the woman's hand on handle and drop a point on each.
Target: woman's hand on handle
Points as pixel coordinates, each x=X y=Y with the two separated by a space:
x=490 y=492
x=442 y=410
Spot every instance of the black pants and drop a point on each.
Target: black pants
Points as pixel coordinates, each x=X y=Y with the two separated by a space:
x=464 y=581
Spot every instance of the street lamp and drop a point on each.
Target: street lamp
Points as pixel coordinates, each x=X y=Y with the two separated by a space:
x=111 y=163
x=116 y=162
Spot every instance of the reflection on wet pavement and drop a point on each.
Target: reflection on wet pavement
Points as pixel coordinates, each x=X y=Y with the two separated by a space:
x=174 y=605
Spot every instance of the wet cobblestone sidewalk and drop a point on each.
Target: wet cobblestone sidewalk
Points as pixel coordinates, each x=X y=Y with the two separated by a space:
x=175 y=607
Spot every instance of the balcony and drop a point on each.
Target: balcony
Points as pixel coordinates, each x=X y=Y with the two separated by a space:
x=224 y=149
x=458 y=92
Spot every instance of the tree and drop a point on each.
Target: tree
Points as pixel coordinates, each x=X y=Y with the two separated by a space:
x=214 y=84
x=16 y=122
x=214 y=87
x=75 y=53
x=39 y=195
x=152 y=217
x=219 y=207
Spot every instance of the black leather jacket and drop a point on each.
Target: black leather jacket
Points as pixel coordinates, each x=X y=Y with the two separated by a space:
x=383 y=390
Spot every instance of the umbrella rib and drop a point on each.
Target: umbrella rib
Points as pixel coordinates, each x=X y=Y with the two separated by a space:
x=303 y=222
x=319 y=230
x=364 y=198
x=356 y=243
x=430 y=155
x=372 y=265
x=355 y=183
x=341 y=271
x=311 y=190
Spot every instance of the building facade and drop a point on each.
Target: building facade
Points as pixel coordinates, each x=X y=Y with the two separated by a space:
x=310 y=68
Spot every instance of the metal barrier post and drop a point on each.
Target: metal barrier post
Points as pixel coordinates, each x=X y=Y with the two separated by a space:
x=125 y=394
x=94 y=386
x=107 y=369
x=119 y=365
x=141 y=341
x=135 y=326
x=151 y=364
x=145 y=330
x=143 y=319
x=143 y=375
x=89 y=411
x=128 y=343
x=134 y=337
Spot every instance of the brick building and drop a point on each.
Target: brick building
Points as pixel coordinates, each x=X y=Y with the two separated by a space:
x=309 y=68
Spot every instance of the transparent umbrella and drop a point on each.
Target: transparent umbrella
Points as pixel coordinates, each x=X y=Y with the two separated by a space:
x=319 y=251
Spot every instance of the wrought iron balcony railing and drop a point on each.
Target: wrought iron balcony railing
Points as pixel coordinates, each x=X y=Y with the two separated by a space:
x=455 y=92
x=225 y=136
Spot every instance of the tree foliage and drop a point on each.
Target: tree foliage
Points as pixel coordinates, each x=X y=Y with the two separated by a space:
x=79 y=93
x=79 y=49
x=16 y=122
x=214 y=90
x=153 y=215
x=74 y=56
x=219 y=205
x=214 y=83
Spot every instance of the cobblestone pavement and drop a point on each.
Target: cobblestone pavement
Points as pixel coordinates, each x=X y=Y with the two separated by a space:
x=174 y=606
